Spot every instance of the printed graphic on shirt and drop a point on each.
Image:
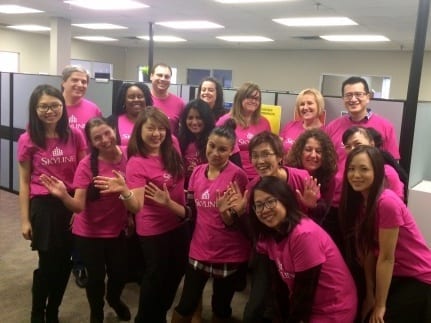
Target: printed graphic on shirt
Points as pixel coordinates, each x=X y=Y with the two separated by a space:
x=57 y=158
x=284 y=274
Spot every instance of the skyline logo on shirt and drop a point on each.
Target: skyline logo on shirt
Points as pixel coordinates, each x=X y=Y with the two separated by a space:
x=284 y=274
x=249 y=136
x=205 y=201
x=73 y=122
x=57 y=158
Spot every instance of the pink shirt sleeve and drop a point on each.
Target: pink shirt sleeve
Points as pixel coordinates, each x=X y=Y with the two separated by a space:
x=390 y=211
x=306 y=252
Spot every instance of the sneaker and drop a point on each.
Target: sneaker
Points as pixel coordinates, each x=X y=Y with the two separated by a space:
x=81 y=276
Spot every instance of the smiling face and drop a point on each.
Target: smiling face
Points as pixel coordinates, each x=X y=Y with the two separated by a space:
x=75 y=87
x=194 y=122
x=268 y=209
x=357 y=139
x=49 y=109
x=264 y=160
x=251 y=103
x=311 y=157
x=161 y=80
x=360 y=173
x=356 y=100
x=103 y=138
x=208 y=93
x=134 y=101
x=307 y=108
x=218 y=150
x=153 y=134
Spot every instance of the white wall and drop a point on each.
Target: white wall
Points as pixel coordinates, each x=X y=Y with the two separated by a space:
x=271 y=69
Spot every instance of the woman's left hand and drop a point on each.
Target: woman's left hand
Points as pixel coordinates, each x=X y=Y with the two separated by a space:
x=378 y=315
x=311 y=192
x=156 y=194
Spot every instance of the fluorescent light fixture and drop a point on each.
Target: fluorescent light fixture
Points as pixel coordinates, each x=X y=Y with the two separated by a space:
x=107 y=4
x=13 y=9
x=95 y=38
x=98 y=26
x=355 y=38
x=190 y=24
x=29 y=27
x=163 y=39
x=250 y=1
x=245 y=39
x=315 y=21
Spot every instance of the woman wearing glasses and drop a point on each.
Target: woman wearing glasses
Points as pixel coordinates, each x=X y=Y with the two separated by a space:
x=308 y=262
x=246 y=112
x=49 y=146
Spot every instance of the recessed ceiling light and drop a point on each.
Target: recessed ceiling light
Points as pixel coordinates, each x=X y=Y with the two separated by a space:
x=245 y=39
x=12 y=9
x=29 y=27
x=99 y=26
x=355 y=38
x=166 y=39
x=315 y=21
x=191 y=24
x=250 y=1
x=95 y=38
x=107 y=4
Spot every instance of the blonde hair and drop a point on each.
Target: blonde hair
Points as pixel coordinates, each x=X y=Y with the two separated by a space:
x=245 y=91
x=317 y=96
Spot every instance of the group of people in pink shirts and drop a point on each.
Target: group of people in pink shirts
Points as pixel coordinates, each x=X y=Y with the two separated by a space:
x=315 y=216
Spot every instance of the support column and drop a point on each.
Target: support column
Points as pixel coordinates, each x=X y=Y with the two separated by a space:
x=60 y=45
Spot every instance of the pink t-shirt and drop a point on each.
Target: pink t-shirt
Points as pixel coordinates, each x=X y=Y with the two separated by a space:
x=393 y=181
x=212 y=241
x=172 y=106
x=191 y=158
x=335 y=130
x=154 y=218
x=308 y=246
x=243 y=137
x=125 y=128
x=412 y=255
x=295 y=180
x=59 y=159
x=80 y=113
x=290 y=132
x=107 y=216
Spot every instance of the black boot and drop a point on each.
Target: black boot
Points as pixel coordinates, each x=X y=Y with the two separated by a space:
x=57 y=288
x=113 y=293
x=40 y=295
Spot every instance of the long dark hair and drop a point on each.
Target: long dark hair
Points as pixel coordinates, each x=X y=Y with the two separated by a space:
x=92 y=192
x=218 y=110
x=36 y=127
x=171 y=158
x=185 y=136
x=283 y=193
x=359 y=230
x=326 y=172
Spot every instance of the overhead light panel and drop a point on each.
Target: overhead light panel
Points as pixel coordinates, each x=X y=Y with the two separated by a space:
x=95 y=38
x=355 y=38
x=245 y=39
x=99 y=26
x=163 y=39
x=29 y=27
x=107 y=4
x=250 y=1
x=13 y=9
x=315 y=21
x=190 y=24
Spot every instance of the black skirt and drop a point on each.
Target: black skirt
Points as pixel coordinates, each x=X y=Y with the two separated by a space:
x=50 y=221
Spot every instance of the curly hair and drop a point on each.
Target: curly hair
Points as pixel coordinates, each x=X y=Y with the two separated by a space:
x=329 y=156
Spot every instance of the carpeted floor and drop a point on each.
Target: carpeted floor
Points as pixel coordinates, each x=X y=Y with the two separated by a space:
x=17 y=262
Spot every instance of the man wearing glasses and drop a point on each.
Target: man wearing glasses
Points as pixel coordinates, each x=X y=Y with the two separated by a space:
x=356 y=96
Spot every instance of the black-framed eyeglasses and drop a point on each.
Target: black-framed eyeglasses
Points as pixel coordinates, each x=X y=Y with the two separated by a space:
x=358 y=95
x=264 y=155
x=270 y=204
x=46 y=107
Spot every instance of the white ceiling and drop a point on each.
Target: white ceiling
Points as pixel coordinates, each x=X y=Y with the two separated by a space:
x=395 y=19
